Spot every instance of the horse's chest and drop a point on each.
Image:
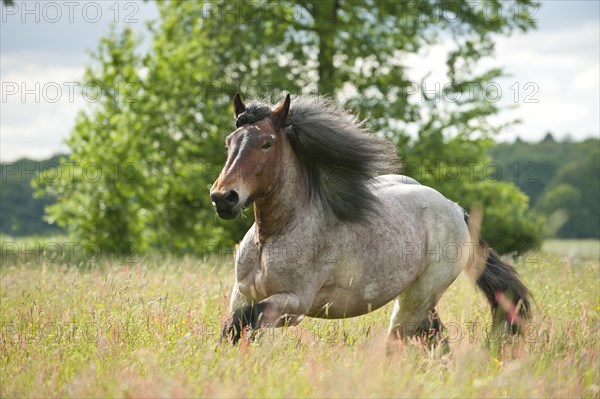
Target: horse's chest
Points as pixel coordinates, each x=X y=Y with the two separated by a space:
x=252 y=272
x=273 y=269
x=258 y=283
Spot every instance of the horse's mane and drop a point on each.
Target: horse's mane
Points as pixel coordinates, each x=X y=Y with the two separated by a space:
x=339 y=155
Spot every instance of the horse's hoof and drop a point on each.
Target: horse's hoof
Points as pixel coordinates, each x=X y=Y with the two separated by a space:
x=230 y=332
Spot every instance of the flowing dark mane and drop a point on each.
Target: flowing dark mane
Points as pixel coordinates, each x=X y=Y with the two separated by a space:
x=339 y=155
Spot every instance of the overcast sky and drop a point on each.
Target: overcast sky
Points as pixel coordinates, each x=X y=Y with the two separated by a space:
x=44 y=49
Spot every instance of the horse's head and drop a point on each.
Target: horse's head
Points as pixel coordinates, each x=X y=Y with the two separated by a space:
x=253 y=151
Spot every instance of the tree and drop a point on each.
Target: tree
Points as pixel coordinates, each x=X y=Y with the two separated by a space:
x=549 y=138
x=202 y=53
x=21 y=213
x=575 y=192
x=101 y=192
x=561 y=179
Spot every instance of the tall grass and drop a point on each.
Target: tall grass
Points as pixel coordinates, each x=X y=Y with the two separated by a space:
x=150 y=328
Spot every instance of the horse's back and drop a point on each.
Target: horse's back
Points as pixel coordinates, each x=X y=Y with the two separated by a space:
x=390 y=180
x=397 y=189
x=406 y=201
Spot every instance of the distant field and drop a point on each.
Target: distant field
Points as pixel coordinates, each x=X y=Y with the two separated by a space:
x=150 y=328
x=582 y=249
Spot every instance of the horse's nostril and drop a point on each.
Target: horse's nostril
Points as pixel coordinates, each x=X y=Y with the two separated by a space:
x=231 y=197
x=215 y=197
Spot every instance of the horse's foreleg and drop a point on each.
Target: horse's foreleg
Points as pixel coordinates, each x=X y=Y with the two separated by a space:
x=276 y=311
x=237 y=299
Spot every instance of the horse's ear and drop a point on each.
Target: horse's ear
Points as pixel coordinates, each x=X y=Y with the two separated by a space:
x=238 y=105
x=280 y=113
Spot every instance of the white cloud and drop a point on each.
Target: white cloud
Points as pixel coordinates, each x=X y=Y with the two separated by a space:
x=588 y=80
x=564 y=65
x=554 y=80
x=40 y=100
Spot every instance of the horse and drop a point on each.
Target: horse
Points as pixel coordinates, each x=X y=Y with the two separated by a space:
x=336 y=234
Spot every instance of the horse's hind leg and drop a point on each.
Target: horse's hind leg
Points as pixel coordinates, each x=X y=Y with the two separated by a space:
x=430 y=329
x=421 y=322
x=414 y=313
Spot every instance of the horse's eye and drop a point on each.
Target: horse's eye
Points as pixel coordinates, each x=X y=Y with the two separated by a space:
x=266 y=145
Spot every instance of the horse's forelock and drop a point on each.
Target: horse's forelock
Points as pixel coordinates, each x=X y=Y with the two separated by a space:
x=254 y=113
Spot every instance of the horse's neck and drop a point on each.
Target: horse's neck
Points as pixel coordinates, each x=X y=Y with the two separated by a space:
x=289 y=201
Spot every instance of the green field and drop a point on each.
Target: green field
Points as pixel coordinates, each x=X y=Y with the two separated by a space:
x=573 y=249
x=150 y=328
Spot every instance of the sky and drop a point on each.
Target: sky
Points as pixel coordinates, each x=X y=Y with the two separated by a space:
x=44 y=48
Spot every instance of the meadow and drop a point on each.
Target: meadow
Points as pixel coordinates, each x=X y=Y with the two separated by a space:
x=149 y=327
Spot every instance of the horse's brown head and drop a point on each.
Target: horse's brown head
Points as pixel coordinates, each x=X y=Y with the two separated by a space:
x=253 y=150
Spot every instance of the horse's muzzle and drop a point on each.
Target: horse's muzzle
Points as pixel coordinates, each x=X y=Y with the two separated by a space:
x=227 y=205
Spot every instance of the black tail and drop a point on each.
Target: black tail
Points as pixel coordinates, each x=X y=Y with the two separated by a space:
x=507 y=295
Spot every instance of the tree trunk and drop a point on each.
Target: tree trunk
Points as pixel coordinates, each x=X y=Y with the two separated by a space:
x=325 y=16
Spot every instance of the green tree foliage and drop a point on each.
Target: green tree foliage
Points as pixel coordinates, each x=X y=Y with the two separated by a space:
x=101 y=200
x=533 y=166
x=21 y=213
x=147 y=148
x=576 y=192
x=558 y=177
x=173 y=111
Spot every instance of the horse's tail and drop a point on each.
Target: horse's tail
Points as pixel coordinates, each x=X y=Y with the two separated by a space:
x=508 y=296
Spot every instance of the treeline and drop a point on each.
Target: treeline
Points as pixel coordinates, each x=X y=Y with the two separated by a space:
x=562 y=180
x=21 y=210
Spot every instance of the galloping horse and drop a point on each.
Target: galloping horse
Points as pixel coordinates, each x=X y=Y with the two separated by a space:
x=334 y=235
